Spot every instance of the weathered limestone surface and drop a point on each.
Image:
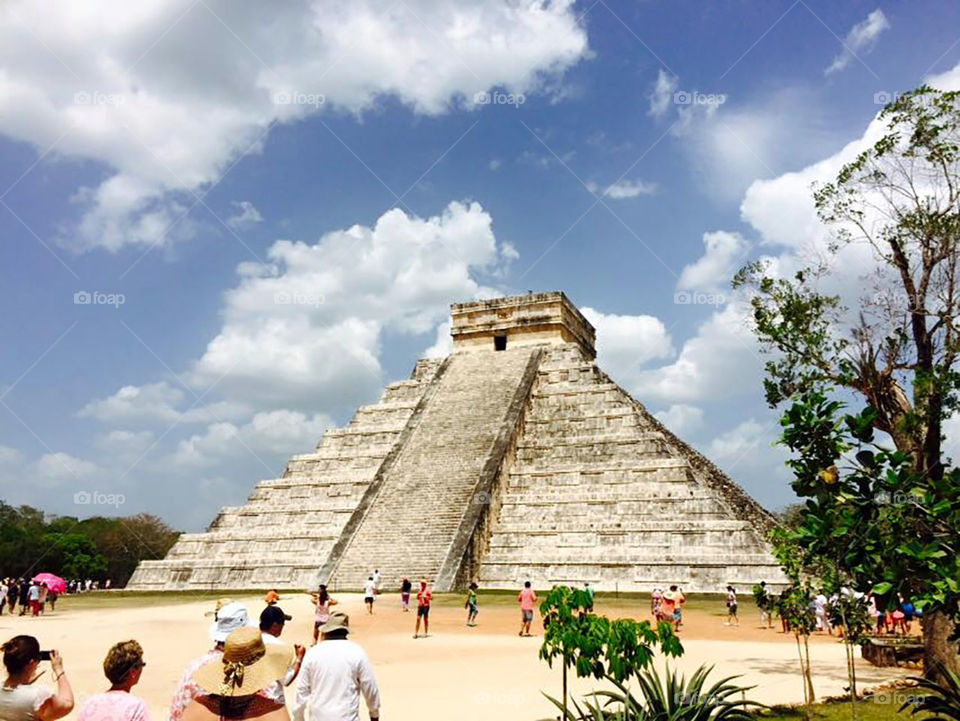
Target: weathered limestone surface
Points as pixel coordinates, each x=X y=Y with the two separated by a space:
x=599 y=491
x=515 y=458
x=288 y=526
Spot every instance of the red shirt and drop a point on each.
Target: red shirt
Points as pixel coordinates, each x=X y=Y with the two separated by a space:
x=527 y=598
x=423 y=597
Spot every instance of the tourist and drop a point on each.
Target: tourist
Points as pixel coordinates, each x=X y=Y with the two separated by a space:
x=590 y=594
x=228 y=617
x=369 y=591
x=527 y=598
x=405 y=588
x=322 y=603
x=271 y=597
x=122 y=667
x=24 y=595
x=656 y=603
x=33 y=598
x=272 y=621
x=732 y=618
x=376 y=581
x=236 y=686
x=673 y=601
x=762 y=596
x=909 y=613
x=13 y=593
x=336 y=672
x=471 y=605
x=4 y=587
x=820 y=612
x=52 y=598
x=21 y=699
x=424 y=596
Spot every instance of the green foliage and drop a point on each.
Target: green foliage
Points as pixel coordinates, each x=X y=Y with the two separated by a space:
x=96 y=547
x=762 y=597
x=595 y=645
x=941 y=699
x=876 y=521
x=667 y=698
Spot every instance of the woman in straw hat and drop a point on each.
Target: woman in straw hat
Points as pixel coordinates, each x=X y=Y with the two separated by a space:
x=230 y=686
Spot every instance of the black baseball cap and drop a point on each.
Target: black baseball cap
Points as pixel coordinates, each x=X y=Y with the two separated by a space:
x=273 y=614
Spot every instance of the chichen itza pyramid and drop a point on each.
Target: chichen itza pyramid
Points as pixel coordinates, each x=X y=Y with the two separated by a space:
x=513 y=458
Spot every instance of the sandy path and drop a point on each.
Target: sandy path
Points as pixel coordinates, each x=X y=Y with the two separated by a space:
x=472 y=673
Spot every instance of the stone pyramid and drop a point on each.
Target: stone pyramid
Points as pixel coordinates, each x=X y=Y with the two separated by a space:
x=514 y=458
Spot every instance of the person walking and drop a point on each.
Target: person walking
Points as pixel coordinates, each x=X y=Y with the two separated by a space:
x=123 y=667
x=673 y=601
x=4 y=587
x=322 y=603
x=376 y=581
x=272 y=621
x=424 y=597
x=21 y=699
x=33 y=598
x=471 y=605
x=237 y=685
x=590 y=596
x=527 y=600
x=335 y=673
x=732 y=618
x=369 y=592
x=24 y=596
x=405 y=588
x=13 y=594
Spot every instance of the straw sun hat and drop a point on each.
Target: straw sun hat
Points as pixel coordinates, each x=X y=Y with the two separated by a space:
x=246 y=667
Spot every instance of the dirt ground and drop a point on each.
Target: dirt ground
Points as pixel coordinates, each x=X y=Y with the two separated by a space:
x=467 y=673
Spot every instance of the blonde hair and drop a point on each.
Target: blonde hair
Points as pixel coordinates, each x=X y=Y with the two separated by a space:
x=121 y=659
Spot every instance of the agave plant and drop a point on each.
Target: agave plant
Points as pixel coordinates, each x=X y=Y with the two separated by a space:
x=941 y=700
x=668 y=698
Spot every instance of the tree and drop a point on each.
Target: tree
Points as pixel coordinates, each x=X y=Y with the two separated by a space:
x=594 y=645
x=898 y=350
x=74 y=555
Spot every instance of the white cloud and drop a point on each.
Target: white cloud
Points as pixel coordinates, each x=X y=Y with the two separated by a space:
x=661 y=96
x=712 y=272
x=177 y=91
x=10 y=457
x=158 y=402
x=272 y=432
x=443 y=345
x=305 y=327
x=62 y=466
x=626 y=343
x=860 y=40
x=681 y=418
x=718 y=362
x=248 y=215
x=623 y=189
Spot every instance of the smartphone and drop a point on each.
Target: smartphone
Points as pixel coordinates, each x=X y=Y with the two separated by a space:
x=44 y=655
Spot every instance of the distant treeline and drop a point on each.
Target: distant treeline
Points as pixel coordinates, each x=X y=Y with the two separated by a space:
x=97 y=548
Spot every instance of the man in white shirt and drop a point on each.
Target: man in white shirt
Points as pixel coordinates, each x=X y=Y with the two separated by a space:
x=272 y=621
x=369 y=591
x=334 y=674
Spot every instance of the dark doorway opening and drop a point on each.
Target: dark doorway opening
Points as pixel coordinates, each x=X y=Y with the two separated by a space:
x=499 y=342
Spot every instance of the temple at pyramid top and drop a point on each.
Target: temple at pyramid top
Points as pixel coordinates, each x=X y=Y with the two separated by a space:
x=514 y=458
x=518 y=320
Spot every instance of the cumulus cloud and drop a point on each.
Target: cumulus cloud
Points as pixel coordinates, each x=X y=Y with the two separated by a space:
x=270 y=433
x=681 y=418
x=62 y=466
x=304 y=329
x=626 y=343
x=177 y=91
x=246 y=215
x=860 y=40
x=623 y=189
x=712 y=272
x=158 y=402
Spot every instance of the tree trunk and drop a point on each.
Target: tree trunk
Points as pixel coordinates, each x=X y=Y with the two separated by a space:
x=939 y=652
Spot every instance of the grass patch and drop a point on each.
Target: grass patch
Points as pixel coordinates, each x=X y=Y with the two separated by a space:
x=883 y=706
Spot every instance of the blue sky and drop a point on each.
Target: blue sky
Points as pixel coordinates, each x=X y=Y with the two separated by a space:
x=199 y=161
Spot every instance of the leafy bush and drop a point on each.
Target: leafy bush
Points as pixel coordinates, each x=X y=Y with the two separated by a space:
x=941 y=699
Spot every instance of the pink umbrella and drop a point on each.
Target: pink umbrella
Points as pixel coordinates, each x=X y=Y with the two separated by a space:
x=54 y=583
